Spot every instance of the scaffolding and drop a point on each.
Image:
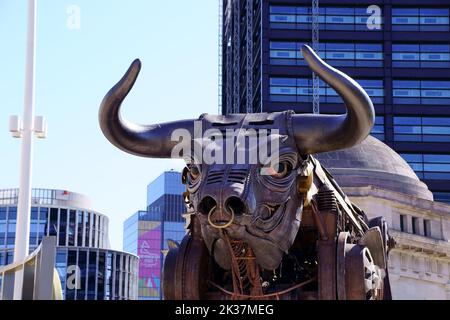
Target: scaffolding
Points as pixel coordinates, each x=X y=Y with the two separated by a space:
x=315 y=46
x=237 y=55
x=249 y=56
x=220 y=58
x=227 y=31
x=241 y=56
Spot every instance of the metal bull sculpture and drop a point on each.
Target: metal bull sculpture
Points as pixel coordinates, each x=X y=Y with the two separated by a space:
x=276 y=230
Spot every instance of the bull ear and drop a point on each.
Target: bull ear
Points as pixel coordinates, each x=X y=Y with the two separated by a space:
x=323 y=133
x=153 y=141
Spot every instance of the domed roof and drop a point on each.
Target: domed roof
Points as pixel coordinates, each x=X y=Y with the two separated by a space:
x=374 y=163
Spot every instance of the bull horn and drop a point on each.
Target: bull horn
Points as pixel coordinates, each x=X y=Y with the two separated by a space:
x=323 y=133
x=153 y=141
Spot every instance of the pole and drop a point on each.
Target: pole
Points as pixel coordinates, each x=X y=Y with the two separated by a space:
x=21 y=247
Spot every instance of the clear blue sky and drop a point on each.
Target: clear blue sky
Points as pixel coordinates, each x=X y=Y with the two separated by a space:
x=177 y=43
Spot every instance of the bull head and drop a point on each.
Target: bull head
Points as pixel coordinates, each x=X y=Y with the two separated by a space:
x=261 y=207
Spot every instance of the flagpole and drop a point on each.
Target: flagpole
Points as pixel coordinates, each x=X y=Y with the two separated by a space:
x=21 y=247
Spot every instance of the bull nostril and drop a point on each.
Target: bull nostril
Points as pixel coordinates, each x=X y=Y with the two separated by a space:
x=206 y=205
x=235 y=204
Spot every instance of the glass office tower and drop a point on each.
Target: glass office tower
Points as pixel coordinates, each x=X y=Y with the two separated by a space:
x=398 y=50
x=87 y=267
x=146 y=232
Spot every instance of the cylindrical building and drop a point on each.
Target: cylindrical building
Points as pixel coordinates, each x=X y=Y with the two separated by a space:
x=87 y=267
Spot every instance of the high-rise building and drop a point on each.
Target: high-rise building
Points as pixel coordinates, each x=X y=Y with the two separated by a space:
x=398 y=50
x=87 y=267
x=146 y=232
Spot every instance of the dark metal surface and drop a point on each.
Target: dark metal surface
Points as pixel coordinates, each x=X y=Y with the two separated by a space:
x=373 y=240
x=389 y=243
x=358 y=275
x=168 y=277
x=326 y=212
x=185 y=270
x=362 y=281
x=341 y=251
x=315 y=134
x=140 y=140
x=248 y=236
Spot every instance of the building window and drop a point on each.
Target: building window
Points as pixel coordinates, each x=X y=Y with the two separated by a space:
x=430 y=167
x=11 y=228
x=442 y=197
x=9 y=257
x=300 y=90
x=378 y=128
x=82 y=264
x=62 y=227
x=421 y=92
x=421 y=55
x=94 y=230
x=53 y=222
x=427 y=228
x=43 y=224
x=330 y=18
x=80 y=228
x=337 y=54
x=403 y=223
x=34 y=227
x=101 y=276
x=415 y=225
x=420 y=19
x=61 y=268
x=2 y=233
x=12 y=214
x=71 y=280
x=71 y=228
x=92 y=274
x=422 y=129
x=87 y=228
x=117 y=278
x=109 y=277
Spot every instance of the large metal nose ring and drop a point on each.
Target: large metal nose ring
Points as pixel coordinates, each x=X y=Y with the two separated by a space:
x=220 y=226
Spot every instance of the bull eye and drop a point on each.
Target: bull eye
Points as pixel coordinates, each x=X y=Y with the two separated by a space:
x=194 y=172
x=280 y=170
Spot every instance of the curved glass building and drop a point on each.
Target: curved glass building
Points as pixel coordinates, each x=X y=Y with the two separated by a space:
x=87 y=267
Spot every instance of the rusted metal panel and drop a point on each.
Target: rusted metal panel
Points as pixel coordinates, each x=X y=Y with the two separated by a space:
x=327 y=269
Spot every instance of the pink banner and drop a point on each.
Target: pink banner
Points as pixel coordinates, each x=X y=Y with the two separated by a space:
x=149 y=252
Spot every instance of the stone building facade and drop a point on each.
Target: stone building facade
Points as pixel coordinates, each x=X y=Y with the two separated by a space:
x=379 y=181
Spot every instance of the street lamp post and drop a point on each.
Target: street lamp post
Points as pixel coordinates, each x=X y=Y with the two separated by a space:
x=25 y=129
